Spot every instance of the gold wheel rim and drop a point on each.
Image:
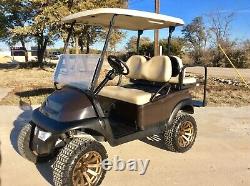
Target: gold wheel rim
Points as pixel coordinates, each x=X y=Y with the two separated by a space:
x=87 y=170
x=186 y=134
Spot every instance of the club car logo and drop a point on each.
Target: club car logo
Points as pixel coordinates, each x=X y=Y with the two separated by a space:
x=118 y=164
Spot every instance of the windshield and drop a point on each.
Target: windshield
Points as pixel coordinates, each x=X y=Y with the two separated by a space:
x=76 y=70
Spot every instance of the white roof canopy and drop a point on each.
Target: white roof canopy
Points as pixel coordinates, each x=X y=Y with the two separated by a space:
x=125 y=19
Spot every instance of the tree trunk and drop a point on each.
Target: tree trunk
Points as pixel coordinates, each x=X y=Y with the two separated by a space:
x=87 y=43
x=80 y=42
x=70 y=4
x=41 y=48
x=26 y=52
x=87 y=49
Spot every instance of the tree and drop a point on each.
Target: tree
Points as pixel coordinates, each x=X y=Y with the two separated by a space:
x=87 y=35
x=46 y=26
x=3 y=26
x=246 y=45
x=239 y=58
x=176 y=46
x=147 y=47
x=219 y=29
x=15 y=13
x=115 y=39
x=132 y=43
x=238 y=54
x=196 y=39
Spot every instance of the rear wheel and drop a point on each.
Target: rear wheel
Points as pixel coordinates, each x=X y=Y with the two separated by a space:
x=181 y=135
x=23 y=143
x=79 y=163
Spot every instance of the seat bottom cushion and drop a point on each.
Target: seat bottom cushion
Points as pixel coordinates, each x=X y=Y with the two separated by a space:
x=130 y=95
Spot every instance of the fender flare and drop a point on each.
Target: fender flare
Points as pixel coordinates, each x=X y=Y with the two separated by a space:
x=185 y=105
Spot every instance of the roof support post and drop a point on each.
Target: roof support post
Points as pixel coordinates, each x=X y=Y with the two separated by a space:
x=171 y=30
x=101 y=59
x=140 y=32
x=156 y=32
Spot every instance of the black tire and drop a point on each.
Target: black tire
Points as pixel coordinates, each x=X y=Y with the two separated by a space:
x=67 y=159
x=172 y=133
x=23 y=143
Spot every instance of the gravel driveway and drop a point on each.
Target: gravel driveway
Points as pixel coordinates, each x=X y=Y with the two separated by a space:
x=220 y=156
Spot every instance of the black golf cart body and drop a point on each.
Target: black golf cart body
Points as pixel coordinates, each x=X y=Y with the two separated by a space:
x=157 y=91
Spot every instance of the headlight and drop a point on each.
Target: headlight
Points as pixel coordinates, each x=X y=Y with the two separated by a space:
x=42 y=135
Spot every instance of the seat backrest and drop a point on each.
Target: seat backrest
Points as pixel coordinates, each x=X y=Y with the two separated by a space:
x=177 y=65
x=135 y=64
x=157 y=69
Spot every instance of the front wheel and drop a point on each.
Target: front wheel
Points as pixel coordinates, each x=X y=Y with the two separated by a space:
x=23 y=143
x=181 y=135
x=79 y=163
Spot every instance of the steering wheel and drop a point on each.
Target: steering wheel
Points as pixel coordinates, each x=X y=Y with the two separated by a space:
x=118 y=65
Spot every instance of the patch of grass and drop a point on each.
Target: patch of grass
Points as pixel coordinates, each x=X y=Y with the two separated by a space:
x=30 y=85
x=30 y=65
x=219 y=94
x=35 y=84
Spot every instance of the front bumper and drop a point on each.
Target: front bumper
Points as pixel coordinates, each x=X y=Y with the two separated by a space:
x=43 y=142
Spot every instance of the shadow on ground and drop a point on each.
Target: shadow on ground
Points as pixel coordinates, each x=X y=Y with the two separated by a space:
x=20 y=121
x=8 y=66
x=44 y=168
x=26 y=65
x=35 y=92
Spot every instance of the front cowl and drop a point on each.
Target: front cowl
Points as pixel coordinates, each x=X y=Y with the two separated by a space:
x=68 y=104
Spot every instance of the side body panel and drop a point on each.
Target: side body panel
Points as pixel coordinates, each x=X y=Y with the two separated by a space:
x=144 y=116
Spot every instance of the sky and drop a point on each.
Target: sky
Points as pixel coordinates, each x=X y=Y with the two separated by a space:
x=188 y=10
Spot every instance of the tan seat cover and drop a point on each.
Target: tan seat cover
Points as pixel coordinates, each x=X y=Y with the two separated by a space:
x=157 y=69
x=129 y=95
x=135 y=64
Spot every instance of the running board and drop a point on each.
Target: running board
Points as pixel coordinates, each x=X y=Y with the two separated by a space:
x=138 y=135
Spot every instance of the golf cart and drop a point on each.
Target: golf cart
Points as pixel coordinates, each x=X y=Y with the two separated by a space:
x=81 y=112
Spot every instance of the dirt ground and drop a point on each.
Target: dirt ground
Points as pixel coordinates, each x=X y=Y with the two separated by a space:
x=34 y=85
x=220 y=156
x=223 y=72
x=30 y=85
x=5 y=59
